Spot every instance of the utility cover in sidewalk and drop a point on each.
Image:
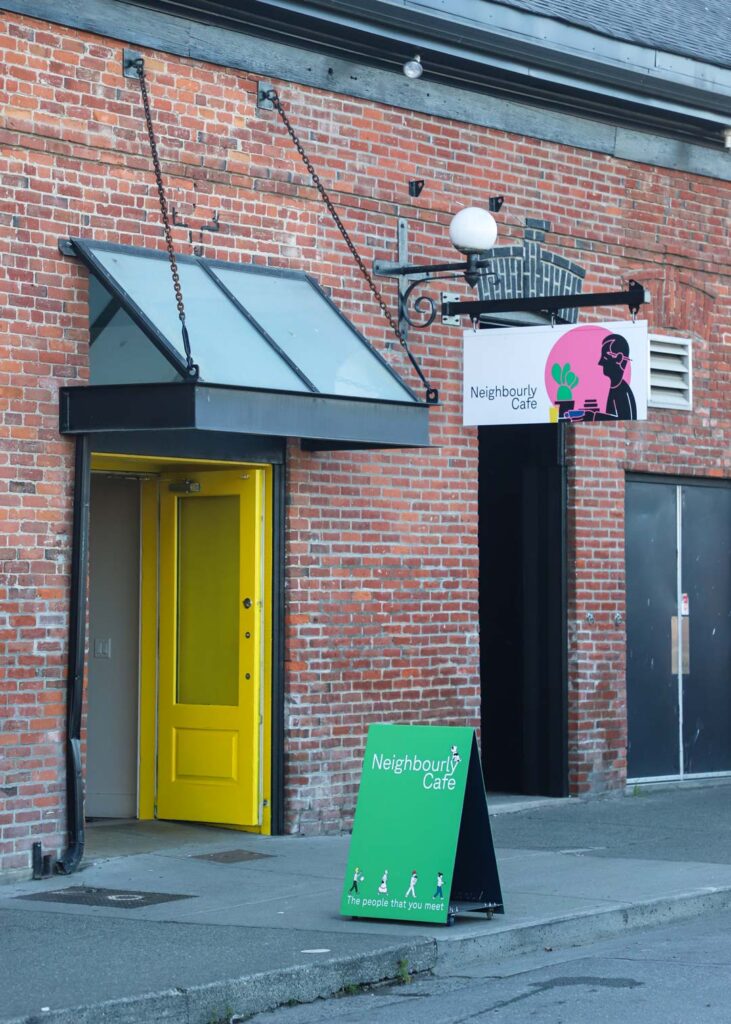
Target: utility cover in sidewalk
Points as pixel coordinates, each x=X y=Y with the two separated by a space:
x=231 y=856
x=421 y=848
x=86 y=896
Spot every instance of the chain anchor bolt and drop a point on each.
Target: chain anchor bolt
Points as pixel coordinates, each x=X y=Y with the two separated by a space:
x=265 y=94
x=132 y=63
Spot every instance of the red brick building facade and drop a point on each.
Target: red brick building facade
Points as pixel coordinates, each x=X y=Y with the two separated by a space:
x=382 y=565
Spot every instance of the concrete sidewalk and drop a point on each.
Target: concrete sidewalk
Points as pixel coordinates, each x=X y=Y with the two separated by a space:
x=254 y=923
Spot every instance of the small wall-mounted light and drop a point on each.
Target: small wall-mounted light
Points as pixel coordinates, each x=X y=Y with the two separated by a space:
x=413 y=68
x=473 y=230
x=726 y=137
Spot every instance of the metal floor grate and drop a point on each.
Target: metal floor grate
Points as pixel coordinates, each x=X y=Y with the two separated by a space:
x=87 y=896
x=231 y=856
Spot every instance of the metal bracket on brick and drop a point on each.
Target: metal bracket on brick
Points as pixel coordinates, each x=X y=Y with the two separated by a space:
x=262 y=96
x=453 y=321
x=130 y=67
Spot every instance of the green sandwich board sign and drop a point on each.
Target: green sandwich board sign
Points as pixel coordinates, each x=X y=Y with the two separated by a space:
x=421 y=848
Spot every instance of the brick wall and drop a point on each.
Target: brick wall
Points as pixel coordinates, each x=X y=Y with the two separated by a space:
x=382 y=563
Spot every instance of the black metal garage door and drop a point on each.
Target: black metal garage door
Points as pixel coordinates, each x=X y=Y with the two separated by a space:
x=678 y=570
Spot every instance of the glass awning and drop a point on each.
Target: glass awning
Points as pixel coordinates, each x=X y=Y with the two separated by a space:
x=249 y=326
x=260 y=331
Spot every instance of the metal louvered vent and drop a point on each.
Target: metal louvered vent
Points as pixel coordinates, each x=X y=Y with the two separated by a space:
x=670 y=372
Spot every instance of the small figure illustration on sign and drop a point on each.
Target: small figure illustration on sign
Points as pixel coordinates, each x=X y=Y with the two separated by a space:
x=590 y=373
x=614 y=361
x=455 y=756
x=383 y=887
x=357 y=877
x=411 y=891
x=439 y=894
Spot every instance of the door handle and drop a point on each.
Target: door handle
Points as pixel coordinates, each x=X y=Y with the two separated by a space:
x=676 y=634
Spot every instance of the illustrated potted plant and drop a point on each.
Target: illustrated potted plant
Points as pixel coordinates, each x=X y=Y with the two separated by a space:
x=567 y=381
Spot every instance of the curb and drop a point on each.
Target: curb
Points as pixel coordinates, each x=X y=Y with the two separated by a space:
x=240 y=998
x=576 y=929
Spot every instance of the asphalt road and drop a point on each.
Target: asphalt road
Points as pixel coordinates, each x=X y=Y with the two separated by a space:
x=676 y=974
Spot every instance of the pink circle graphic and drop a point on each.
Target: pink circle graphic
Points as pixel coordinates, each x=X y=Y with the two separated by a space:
x=581 y=379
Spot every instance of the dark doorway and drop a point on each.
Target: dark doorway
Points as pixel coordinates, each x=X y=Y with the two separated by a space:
x=678 y=568
x=522 y=609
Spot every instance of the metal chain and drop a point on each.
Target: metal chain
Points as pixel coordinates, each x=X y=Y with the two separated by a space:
x=272 y=95
x=192 y=368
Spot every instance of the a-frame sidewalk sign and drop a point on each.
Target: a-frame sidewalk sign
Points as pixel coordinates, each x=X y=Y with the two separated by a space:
x=421 y=848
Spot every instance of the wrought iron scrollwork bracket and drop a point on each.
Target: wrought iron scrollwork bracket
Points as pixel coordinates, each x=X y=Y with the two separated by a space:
x=424 y=304
x=411 y=277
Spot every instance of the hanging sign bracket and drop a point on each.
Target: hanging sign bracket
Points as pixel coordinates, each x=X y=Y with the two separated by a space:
x=634 y=297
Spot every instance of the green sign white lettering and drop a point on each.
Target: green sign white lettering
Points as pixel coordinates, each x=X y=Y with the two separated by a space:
x=421 y=848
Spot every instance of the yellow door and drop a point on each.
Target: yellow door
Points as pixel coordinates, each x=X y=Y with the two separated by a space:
x=210 y=647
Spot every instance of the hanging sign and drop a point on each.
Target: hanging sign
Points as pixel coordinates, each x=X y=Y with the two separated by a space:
x=579 y=374
x=421 y=848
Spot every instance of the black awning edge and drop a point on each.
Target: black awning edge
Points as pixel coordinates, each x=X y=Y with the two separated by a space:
x=217 y=409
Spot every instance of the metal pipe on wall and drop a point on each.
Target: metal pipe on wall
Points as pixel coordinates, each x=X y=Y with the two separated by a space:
x=72 y=855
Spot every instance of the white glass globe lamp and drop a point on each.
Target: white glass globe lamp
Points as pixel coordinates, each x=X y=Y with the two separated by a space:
x=473 y=230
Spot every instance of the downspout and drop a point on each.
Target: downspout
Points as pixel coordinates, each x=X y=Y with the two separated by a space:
x=71 y=857
x=563 y=788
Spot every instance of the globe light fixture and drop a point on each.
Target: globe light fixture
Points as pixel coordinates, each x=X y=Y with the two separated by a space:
x=413 y=68
x=473 y=230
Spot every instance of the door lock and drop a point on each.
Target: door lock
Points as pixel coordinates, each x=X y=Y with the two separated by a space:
x=184 y=487
x=247 y=602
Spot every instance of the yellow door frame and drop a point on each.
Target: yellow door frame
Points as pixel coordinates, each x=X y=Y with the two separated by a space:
x=149 y=469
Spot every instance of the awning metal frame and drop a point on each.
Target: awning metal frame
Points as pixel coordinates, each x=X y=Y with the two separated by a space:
x=320 y=421
x=81 y=247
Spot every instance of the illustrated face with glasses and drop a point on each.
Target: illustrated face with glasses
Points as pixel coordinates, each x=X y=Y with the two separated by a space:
x=614 y=361
x=614 y=357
